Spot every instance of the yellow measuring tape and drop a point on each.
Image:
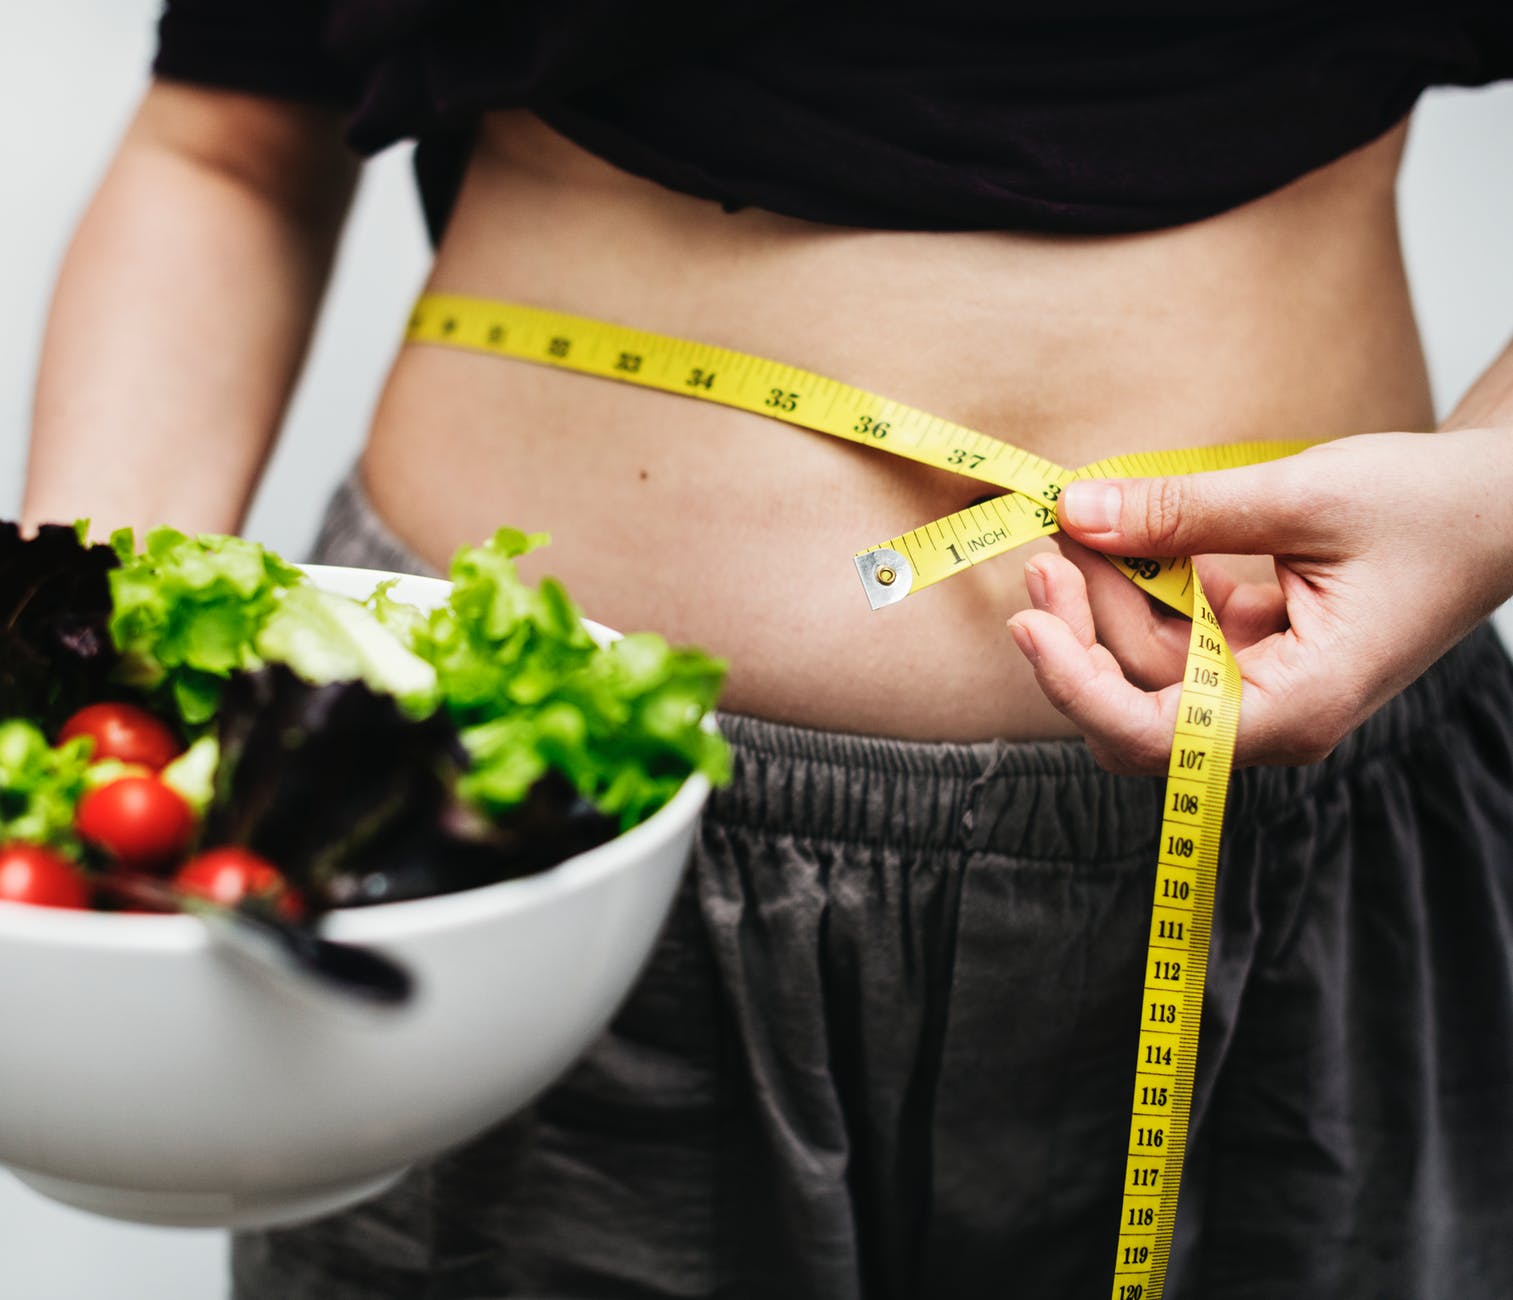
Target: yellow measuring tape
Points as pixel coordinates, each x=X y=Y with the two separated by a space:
x=1198 y=775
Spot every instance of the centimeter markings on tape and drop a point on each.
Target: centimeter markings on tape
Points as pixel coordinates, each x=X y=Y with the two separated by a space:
x=1176 y=960
x=763 y=387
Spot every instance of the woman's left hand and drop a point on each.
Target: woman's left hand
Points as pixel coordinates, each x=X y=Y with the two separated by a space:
x=1388 y=549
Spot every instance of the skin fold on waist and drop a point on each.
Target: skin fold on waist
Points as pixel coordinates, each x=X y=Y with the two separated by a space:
x=1288 y=317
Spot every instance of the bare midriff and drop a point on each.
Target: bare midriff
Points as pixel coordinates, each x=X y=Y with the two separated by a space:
x=1287 y=317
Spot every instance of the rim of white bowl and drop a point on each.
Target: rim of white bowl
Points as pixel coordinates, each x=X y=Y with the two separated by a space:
x=379 y=921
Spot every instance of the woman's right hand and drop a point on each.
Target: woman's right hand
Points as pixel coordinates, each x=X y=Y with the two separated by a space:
x=1389 y=548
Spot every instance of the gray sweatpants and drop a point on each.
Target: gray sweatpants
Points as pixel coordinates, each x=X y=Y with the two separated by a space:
x=885 y=1046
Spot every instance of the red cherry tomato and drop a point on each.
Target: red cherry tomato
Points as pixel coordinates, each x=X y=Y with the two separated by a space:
x=32 y=874
x=125 y=732
x=228 y=875
x=140 y=820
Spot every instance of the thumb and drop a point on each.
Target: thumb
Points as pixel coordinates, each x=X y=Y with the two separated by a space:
x=1254 y=510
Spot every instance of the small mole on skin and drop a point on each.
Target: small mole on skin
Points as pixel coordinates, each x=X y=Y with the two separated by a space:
x=644 y=476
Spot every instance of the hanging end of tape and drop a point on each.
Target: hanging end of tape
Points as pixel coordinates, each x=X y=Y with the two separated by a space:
x=886 y=576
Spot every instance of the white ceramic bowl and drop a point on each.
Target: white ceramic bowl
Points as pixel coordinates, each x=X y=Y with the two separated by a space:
x=147 y=1075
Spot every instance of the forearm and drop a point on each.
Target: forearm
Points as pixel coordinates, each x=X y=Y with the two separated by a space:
x=182 y=313
x=1489 y=402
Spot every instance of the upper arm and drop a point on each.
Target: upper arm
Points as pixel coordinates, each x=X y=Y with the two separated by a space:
x=253 y=92
x=288 y=153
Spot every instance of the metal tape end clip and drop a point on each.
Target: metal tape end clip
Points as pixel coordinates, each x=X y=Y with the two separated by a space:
x=886 y=576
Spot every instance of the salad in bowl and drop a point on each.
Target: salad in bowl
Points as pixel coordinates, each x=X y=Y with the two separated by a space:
x=465 y=775
x=203 y=710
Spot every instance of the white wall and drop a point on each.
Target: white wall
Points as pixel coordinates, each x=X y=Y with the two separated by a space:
x=69 y=72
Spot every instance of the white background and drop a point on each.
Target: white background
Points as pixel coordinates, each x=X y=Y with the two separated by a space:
x=70 y=71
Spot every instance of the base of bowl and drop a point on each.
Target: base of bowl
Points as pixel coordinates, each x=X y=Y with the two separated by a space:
x=210 y=1209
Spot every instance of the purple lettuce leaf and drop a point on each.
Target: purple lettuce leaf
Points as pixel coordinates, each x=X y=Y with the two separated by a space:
x=355 y=801
x=56 y=653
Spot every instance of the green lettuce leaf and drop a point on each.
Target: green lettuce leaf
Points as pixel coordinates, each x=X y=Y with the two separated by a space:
x=534 y=694
x=329 y=638
x=187 y=612
x=192 y=773
x=405 y=621
x=40 y=786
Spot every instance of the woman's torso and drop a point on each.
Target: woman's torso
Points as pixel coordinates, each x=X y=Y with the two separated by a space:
x=1288 y=317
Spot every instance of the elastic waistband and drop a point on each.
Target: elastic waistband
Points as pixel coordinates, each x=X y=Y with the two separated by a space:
x=1043 y=799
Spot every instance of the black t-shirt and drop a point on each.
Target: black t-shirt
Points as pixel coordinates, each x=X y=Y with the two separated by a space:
x=1083 y=116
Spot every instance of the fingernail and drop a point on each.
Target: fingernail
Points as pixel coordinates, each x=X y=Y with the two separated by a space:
x=1034 y=582
x=1092 y=507
x=1024 y=641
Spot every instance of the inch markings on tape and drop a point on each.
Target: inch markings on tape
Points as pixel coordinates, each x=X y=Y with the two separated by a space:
x=1176 y=959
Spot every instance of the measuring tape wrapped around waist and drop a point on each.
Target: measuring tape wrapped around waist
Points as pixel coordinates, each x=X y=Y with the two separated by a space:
x=1208 y=711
